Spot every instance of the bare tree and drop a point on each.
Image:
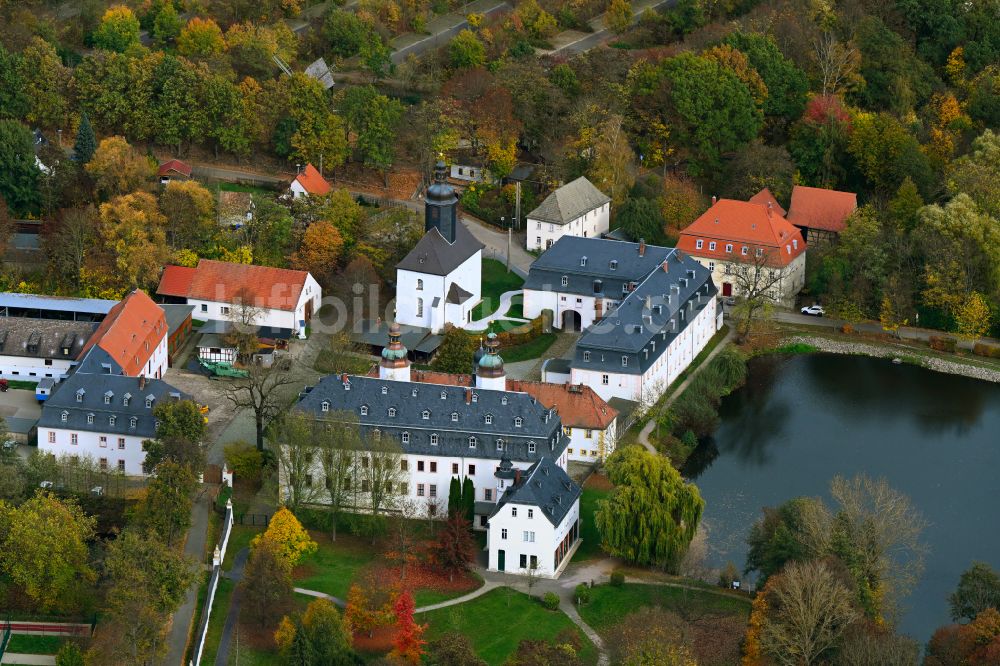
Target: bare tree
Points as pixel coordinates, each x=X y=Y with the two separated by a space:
x=243 y=317
x=809 y=610
x=339 y=440
x=882 y=529
x=261 y=392
x=756 y=278
x=869 y=645
x=838 y=63
x=381 y=474
x=294 y=442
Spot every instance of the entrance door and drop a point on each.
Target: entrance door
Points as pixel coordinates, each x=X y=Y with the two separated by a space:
x=501 y=560
x=571 y=320
x=548 y=243
x=727 y=289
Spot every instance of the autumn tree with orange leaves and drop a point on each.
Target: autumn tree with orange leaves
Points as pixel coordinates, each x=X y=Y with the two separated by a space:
x=408 y=645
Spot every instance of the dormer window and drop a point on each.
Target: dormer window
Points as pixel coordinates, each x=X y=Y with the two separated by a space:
x=434 y=438
x=127 y=398
x=624 y=361
x=444 y=395
x=392 y=412
x=503 y=400
x=613 y=264
x=107 y=397
x=413 y=393
x=405 y=437
x=500 y=445
x=325 y=406
x=489 y=419
x=744 y=250
x=90 y=419
x=425 y=415
x=149 y=401
x=111 y=420
x=475 y=397
x=583 y=261
x=132 y=422
x=385 y=389
x=364 y=410
x=565 y=281
x=711 y=246
x=472 y=442
x=454 y=417
x=698 y=244
x=64 y=416
x=795 y=243
x=586 y=356
x=517 y=422
x=531 y=447
x=729 y=247
x=79 y=395
x=598 y=286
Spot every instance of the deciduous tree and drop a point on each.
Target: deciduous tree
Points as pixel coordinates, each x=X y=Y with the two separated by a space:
x=117 y=168
x=261 y=392
x=267 y=584
x=978 y=589
x=201 y=38
x=290 y=540
x=338 y=454
x=757 y=281
x=316 y=637
x=618 y=17
x=652 y=514
x=166 y=508
x=18 y=172
x=46 y=84
x=408 y=644
x=787 y=85
x=454 y=548
x=133 y=236
x=190 y=208
x=973 y=318
x=118 y=31
x=180 y=435
x=293 y=436
x=465 y=50
x=320 y=251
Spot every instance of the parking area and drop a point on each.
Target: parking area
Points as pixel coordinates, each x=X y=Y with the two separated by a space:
x=21 y=411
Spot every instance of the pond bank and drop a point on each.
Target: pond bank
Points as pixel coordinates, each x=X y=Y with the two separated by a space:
x=903 y=352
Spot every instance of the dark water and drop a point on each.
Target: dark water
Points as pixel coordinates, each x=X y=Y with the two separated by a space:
x=800 y=421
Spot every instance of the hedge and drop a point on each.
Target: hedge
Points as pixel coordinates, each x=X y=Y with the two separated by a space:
x=986 y=349
x=943 y=343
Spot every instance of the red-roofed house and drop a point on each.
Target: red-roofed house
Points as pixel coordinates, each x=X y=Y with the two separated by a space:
x=732 y=235
x=131 y=340
x=820 y=214
x=174 y=169
x=286 y=299
x=765 y=198
x=309 y=183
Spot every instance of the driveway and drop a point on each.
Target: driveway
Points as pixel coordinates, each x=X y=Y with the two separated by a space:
x=496 y=241
x=20 y=410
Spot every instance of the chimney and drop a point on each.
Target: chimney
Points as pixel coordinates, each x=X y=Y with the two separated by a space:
x=142 y=382
x=343 y=378
x=769 y=210
x=649 y=302
x=517 y=476
x=714 y=199
x=666 y=266
x=468 y=396
x=642 y=247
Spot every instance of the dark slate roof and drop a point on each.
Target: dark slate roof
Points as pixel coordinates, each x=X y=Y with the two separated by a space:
x=44 y=338
x=569 y=202
x=565 y=258
x=95 y=386
x=434 y=255
x=176 y=315
x=546 y=486
x=640 y=326
x=410 y=401
x=457 y=295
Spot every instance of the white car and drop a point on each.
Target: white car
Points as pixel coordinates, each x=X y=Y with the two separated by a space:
x=48 y=485
x=813 y=310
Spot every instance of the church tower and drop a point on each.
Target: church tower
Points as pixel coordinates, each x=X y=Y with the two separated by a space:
x=491 y=374
x=395 y=365
x=441 y=204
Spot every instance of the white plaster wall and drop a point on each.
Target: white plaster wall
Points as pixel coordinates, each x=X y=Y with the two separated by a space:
x=89 y=444
x=468 y=275
x=589 y=225
x=156 y=365
x=536 y=300
x=311 y=291
x=547 y=537
x=793 y=277
x=33 y=369
x=581 y=447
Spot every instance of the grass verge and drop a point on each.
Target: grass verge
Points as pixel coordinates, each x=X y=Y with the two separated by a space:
x=496 y=280
x=334 y=565
x=609 y=605
x=30 y=644
x=217 y=620
x=500 y=619
x=529 y=350
x=590 y=546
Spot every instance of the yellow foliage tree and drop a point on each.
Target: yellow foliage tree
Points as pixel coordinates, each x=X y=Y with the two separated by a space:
x=290 y=539
x=132 y=231
x=619 y=16
x=753 y=651
x=974 y=317
x=201 y=38
x=739 y=64
x=243 y=254
x=319 y=252
x=955 y=67
x=118 y=168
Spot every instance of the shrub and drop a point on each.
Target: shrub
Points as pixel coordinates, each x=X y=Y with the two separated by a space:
x=943 y=343
x=582 y=594
x=617 y=578
x=550 y=600
x=847 y=328
x=728 y=574
x=245 y=461
x=986 y=349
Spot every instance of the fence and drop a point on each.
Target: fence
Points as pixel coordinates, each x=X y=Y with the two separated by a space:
x=4 y=639
x=213 y=583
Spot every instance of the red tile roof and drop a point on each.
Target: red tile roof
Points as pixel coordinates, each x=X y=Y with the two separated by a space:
x=816 y=208
x=764 y=197
x=176 y=166
x=224 y=282
x=131 y=332
x=312 y=182
x=741 y=223
x=578 y=405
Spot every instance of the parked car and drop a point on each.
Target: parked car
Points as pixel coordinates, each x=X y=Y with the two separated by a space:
x=9 y=445
x=97 y=490
x=813 y=310
x=47 y=485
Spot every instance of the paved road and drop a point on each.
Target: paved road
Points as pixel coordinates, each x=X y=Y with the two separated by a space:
x=180 y=629
x=495 y=241
x=602 y=34
x=234 y=175
x=905 y=332
x=233 y=614
x=442 y=29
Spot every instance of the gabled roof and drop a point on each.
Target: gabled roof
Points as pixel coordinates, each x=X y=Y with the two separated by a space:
x=578 y=405
x=816 y=208
x=175 y=166
x=764 y=197
x=544 y=485
x=224 y=282
x=131 y=332
x=569 y=202
x=312 y=182
x=742 y=223
x=434 y=255
x=457 y=295
x=586 y=260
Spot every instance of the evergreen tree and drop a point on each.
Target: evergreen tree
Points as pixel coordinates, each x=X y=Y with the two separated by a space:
x=469 y=499
x=86 y=142
x=455 y=504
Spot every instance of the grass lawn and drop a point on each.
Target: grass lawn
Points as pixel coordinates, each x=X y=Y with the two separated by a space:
x=333 y=566
x=528 y=350
x=239 y=538
x=590 y=547
x=496 y=281
x=516 y=309
x=426 y=597
x=610 y=605
x=21 y=384
x=497 y=621
x=252 y=189
x=220 y=608
x=30 y=644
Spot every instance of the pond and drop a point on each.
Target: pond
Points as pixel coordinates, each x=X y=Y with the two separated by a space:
x=802 y=420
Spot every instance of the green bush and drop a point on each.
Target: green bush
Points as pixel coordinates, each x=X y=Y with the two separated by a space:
x=550 y=600
x=986 y=349
x=943 y=343
x=582 y=594
x=617 y=579
x=245 y=461
x=225 y=492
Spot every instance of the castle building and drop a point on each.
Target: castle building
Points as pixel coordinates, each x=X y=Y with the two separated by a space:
x=440 y=281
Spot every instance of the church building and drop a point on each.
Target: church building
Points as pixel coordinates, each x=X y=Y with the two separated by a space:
x=440 y=281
